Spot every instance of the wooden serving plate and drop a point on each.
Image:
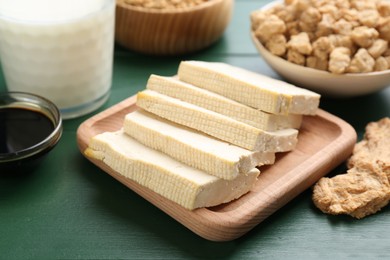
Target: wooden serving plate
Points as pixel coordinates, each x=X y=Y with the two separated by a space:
x=324 y=142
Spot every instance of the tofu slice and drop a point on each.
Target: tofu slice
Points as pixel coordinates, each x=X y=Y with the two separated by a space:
x=217 y=125
x=249 y=88
x=175 y=88
x=187 y=186
x=191 y=147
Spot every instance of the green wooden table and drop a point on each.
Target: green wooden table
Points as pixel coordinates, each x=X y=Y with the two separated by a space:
x=68 y=208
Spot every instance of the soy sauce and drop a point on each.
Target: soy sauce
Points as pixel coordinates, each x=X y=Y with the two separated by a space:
x=21 y=128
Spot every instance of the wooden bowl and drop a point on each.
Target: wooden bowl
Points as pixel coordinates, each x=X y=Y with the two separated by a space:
x=171 y=32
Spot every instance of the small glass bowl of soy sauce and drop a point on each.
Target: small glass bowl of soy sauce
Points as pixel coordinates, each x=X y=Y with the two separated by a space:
x=30 y=126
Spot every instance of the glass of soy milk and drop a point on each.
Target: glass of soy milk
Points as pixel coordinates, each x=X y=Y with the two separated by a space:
x=59 y=49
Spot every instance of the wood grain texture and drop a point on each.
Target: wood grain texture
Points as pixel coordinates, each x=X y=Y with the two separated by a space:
x=167 y=32
x=324 y=142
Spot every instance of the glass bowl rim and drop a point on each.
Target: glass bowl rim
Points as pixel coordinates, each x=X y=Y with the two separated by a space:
x=36 y=103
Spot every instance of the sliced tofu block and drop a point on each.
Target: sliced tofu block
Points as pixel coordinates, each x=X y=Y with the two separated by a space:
x=175 y=88
x=217 y=125
x=187 y=186
x=191 y=147
x=249 y=88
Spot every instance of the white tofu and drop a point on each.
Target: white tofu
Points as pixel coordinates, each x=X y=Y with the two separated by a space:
x=187 y=186
x=217 y=125
x=175 y=88
x=191 y=147
x=249 y=88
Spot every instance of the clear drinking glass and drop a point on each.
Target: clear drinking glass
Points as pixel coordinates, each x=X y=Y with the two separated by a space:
x=61 y=50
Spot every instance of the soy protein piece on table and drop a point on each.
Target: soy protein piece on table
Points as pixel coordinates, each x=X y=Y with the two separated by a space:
x=365 y=188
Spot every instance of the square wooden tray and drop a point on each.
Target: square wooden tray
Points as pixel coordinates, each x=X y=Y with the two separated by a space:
x=324 y=142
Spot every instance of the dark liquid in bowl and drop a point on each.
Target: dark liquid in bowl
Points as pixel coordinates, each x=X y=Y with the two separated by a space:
x=22 y=128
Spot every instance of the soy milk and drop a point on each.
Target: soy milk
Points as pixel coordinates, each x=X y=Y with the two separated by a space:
x=59 y=49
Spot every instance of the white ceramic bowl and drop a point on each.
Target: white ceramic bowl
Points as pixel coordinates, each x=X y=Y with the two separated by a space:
x=322 y=82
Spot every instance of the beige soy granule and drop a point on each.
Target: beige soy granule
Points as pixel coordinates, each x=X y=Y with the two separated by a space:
x=339 y=36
